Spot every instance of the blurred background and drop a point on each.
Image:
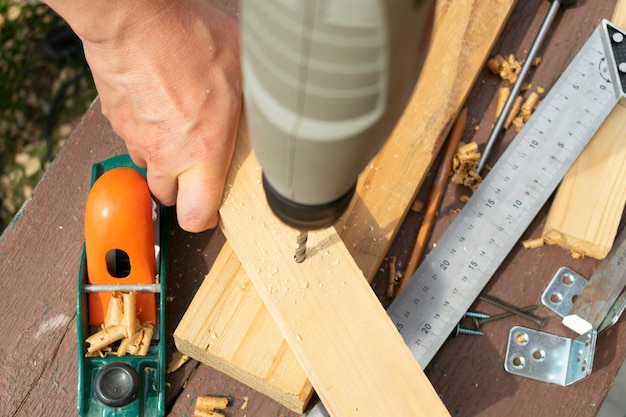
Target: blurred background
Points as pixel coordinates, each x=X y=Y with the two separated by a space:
x=45 y=88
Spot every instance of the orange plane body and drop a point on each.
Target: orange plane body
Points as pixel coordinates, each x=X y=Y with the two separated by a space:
x=118 y=226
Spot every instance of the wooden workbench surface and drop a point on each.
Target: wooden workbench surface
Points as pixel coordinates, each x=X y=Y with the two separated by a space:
x=40 y=253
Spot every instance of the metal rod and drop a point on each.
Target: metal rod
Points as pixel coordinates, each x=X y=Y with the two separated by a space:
x=155 y=288
x=543 y=30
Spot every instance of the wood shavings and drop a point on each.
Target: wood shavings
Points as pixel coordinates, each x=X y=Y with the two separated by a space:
x=517 y=105
x=507 y=68
x=529 y=106
x=465 y=164
x=115 y=312
x=518 y=123
x=533 y=243
x=177 y=361
x=393 y=276
x=576 y=255
x=121 y=325
x=503 y=95
x=417 y=206
x=104 y=338
x=206 y=406
x=246 y=400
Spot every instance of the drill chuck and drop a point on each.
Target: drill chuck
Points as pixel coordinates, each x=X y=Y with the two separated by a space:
x=303 y=216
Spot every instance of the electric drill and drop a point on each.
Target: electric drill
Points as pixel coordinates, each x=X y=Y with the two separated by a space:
x=325 y=82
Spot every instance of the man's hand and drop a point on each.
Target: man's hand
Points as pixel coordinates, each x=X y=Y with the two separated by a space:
x=169 y=82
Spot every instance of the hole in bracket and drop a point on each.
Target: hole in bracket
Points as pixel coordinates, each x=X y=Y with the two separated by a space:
x=518 y=361
x=556 y=298
x=521 y=339
x=567 y=279
x=539 y=354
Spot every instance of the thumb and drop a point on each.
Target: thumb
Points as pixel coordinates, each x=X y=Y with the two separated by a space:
x=199 y=197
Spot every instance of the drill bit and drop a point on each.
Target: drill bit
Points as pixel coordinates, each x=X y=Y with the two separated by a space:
x=300 y=253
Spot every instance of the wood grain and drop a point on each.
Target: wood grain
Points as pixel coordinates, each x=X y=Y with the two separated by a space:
x=589 y=203
x=384 y=194
x=324 y=307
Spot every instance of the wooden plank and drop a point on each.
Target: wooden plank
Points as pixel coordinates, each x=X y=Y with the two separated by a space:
x=589 y=203
x=388 y=186
x=324 y=307
x=211 y=330
x=384 y=193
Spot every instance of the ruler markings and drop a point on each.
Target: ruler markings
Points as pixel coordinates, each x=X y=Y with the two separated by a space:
x=497 y=215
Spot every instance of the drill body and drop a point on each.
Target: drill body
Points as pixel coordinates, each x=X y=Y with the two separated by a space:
x=325 y=82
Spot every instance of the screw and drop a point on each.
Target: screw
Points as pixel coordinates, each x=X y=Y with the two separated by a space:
x=479 y=322
x=476 y=314
x=463 y=330
x=500 y=304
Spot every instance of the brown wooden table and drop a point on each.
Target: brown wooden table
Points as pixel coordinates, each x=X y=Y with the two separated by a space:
x=40 y=253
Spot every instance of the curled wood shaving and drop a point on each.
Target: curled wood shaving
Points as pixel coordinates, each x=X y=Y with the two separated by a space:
x=417 y=206
x=393 y=276
x=465 y=164
x=533 y=243
x=518 y=123
x=530 y=105
x=206 y=406
x=503 y=95
x=177 y=361
x=517 y=105
x=121 y=325
x=507 y=68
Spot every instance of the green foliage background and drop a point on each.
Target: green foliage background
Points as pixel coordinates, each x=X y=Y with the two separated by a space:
x=29 y=82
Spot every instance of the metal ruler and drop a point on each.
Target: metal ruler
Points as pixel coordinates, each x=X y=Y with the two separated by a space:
x=454 y=272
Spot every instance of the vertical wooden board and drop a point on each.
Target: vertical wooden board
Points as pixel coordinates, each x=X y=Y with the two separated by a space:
x=589 y=203
x=384 y=192
x=324 y=307
x=464 y=34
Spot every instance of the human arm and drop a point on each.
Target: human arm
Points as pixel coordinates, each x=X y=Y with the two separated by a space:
x=168 y=77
